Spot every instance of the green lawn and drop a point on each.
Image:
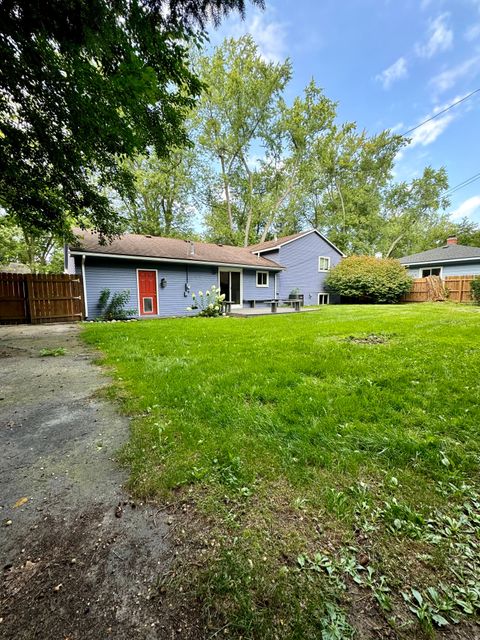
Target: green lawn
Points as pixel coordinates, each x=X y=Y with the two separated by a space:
x=328 y=470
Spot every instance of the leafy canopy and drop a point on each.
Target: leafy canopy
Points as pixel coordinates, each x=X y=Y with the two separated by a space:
x=82 y=83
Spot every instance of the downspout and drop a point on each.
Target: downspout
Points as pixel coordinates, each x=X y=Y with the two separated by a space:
x=85 y=299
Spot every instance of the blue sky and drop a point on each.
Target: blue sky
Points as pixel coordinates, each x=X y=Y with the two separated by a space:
x=390 y=64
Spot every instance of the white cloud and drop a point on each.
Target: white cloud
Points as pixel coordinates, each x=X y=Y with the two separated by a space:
x=467 y=209
x=448 y=78
x=430 y=131
x=472 y=32
x=440 y=38
x=394 y=72
x=269 y=34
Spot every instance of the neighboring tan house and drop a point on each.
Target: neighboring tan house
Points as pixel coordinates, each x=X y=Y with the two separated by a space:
x=452 y=259
x=161 y=273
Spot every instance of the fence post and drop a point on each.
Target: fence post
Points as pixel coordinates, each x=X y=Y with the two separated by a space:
x=29 y=302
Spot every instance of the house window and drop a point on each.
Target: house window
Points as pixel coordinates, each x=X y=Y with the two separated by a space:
x=323 y=298
x=262 y=278
x=436 y=271
x=323 y=263
x=147 y=305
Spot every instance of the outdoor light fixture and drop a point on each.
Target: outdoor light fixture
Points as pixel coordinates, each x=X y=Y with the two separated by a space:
x=163 y=283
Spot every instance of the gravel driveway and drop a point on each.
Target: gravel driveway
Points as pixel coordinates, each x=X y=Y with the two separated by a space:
x=79 y=558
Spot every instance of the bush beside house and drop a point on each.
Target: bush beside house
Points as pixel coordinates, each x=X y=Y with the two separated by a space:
x=475 y=290
x=368 y=279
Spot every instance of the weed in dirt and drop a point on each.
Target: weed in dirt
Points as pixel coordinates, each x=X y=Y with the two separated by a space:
x=53 y=353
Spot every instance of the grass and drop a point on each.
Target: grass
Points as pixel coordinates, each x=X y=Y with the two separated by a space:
x=327 y=452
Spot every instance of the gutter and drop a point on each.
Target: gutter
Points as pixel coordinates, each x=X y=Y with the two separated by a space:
x=176 y=260
x=448 y=261
x=84 y=280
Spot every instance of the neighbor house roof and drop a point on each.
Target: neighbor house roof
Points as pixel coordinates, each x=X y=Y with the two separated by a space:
x=132 y=245
x=269 y=245
x=447 y=253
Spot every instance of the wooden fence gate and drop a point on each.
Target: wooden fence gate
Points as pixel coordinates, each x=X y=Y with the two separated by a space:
x=432 y=289
x=40 y=298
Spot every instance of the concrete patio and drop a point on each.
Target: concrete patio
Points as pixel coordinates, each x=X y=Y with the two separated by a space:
x=265 y=311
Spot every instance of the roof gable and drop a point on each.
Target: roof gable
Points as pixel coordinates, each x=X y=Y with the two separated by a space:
x=447 y=253
x=280 y=242
x=131 y=245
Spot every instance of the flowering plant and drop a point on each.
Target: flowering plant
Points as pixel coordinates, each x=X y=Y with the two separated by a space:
x=209 y=304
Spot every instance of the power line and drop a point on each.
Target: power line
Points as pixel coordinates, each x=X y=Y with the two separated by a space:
x=440 y=112
x=463 y=184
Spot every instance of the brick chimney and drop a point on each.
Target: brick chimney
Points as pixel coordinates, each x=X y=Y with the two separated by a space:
x=452 y=240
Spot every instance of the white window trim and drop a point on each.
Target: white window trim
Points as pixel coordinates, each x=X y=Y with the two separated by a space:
x=328 y=262
x=263 y=286
x=432 y=267
x=140 y=314
x=323 y=293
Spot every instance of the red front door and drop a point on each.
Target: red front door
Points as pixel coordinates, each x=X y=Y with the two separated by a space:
x=147 y=292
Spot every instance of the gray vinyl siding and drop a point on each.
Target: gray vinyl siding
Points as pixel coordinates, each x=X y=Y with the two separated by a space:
x=250 y=289
x=119 y=275
x=300 y=258
x=460 y=269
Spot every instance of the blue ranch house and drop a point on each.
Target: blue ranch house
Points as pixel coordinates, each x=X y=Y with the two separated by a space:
x=162 y=273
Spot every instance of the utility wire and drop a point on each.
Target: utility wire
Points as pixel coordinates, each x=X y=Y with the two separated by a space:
x=473 y=178
x=440 y=112
x=463 y=184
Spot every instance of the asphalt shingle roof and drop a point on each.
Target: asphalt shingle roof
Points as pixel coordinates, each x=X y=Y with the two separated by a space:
x=272 y=244
x=443 y=254
x=131 y=244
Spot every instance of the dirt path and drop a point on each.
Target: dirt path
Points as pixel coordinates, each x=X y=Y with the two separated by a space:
x=71 y=567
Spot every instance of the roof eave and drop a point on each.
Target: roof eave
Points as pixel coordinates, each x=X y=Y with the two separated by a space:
x=282 y=244
x=98 y=254
x=442 y=261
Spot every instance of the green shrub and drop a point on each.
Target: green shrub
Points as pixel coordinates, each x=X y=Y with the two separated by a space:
x=369 y=279
x=475 y=289
x=112 y=307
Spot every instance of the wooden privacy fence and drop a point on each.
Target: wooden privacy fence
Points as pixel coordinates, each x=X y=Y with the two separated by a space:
x=40 y=298
x=433 y=288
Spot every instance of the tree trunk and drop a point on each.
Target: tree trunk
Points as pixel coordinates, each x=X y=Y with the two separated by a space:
x=226 y=187
x=343 y=206
x=248 y=223
x=278 y=204
x=394 y=244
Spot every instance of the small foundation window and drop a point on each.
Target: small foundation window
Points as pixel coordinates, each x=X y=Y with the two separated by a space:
x=323 y=298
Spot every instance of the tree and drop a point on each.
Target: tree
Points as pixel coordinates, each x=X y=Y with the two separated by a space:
x=467 y=232
x=232 y=120
x=164 y=202
x=345 y=184
x=83 y=83
x=41 y=252
x=410 y=209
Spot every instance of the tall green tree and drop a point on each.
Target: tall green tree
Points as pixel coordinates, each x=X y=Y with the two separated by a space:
x=165 y=194
x=41 y=252
x=232 y=121
x=344 y=185
x=410 y=209
x=82 y=83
